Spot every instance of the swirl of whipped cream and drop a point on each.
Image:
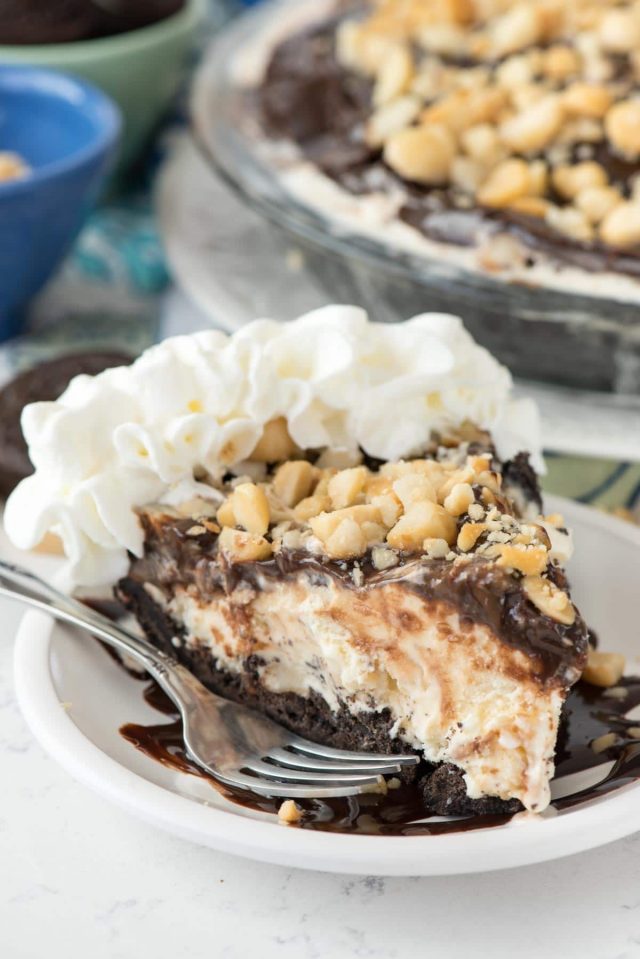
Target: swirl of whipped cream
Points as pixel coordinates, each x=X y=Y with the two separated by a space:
x=141 y=434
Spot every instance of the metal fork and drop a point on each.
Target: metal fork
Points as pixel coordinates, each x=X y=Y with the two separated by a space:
x=235 y=745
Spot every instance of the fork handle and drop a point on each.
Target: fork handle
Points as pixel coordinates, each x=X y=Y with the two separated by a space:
x=25 y=587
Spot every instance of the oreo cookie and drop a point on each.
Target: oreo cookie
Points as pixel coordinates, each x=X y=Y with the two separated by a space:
x=120 y=16
x=44 y=382
x=40 y=21
x=24 y=22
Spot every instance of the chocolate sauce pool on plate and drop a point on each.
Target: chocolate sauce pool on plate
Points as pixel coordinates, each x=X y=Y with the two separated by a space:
x=589 y=713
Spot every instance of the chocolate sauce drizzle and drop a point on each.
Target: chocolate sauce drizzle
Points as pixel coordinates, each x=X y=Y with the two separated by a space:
x=589 y=713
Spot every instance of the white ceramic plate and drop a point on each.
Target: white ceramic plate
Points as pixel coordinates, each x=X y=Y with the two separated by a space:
x=75 y=698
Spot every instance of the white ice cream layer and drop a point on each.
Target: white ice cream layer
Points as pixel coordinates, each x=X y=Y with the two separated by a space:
x=458 y=695
x=135 y=435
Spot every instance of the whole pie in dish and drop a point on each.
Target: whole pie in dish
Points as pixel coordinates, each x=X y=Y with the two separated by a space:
x=338 y=523
x=500 y=137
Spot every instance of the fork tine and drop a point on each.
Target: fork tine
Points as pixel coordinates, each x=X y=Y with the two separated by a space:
x=326 y=752
x=282 y=774
x=293 y=790
x=299 y=761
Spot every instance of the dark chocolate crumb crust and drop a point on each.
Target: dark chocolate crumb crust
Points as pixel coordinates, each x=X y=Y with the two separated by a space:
x=442 y=787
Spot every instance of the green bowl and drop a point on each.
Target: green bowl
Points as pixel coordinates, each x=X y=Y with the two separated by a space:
x=140 y=69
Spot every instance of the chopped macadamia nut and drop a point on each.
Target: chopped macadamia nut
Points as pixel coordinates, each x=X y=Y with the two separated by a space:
x=251 y=508
x=289 y=812
x=506 y=183
x=469 y=535
x=570 y=220
x=394 y=76
x=196 y=530
x=423 y=520
x=621 y=226
x=550 y=600
x=422 y=154
x=603 y=669
x=225 y=515
x=389 y=507
x=12 y=167
x=275 y=445
x=531 y=206
x=414 y=488
x=383 y=558
x=346 y=486
x=597 y=202
x=619 y=31
x=436 y=548
x=326 y=523
x=346 y=541
x=294 y=481
x=520 y=27
x=391 y=119
x=535 y=127
x=531 y=560
x=622 y=126
x=50 y=544
x=339 y=459
x=311 y=506
x=570 y=180
x=459 y=499
x=561 y=62
x=243 y=547
x=461 y=476
x=198 y=508
x=476 y=512
x=483 y=144
x=604 y=742
x=587 y=100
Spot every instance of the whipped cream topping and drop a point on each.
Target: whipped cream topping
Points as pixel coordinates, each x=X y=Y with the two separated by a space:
x=196 y=405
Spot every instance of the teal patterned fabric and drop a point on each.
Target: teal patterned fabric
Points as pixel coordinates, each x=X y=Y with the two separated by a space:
x=606 y=484
x=120 y=246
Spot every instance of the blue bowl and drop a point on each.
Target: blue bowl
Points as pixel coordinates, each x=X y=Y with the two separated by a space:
x=66 y=131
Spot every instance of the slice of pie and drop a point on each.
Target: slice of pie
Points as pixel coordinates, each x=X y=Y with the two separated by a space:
x=321 y=525
x=405 y=604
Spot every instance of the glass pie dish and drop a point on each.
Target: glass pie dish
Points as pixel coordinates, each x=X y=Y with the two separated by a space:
x=567 y=337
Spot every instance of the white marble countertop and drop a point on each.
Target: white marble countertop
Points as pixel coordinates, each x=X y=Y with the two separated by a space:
x=81 y=878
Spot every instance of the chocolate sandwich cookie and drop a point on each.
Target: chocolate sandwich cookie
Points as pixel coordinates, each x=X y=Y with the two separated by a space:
x=120 y=16
x=44 y=382
x=24 y=22
x=40 y=21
